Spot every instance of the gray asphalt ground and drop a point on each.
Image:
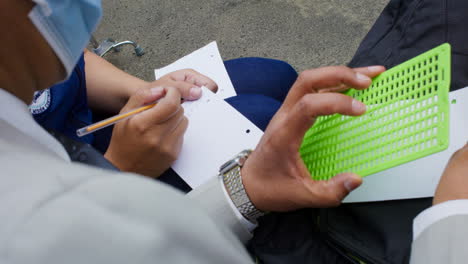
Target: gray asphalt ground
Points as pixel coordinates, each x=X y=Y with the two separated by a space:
x=305 y=33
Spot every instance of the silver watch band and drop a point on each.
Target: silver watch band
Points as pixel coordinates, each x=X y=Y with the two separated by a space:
x=231 y=174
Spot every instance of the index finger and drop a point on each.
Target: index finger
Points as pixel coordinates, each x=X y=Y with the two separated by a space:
x=304 y=113
x=335 y=78
x=371 y=72
x=194 y=77
x=164 y=109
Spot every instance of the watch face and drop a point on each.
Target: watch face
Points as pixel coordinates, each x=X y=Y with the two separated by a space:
x=227 y=166
x=238 y=160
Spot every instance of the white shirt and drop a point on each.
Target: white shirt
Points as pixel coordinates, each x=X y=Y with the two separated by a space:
x=436 y=213
x=18 y=115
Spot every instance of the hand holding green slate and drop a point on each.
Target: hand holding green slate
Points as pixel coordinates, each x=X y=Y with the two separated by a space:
x=407 y=118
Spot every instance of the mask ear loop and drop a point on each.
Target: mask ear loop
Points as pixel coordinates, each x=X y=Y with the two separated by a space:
x=49 y=32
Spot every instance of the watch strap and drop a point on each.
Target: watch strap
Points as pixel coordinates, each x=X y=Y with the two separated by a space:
x=235 y=188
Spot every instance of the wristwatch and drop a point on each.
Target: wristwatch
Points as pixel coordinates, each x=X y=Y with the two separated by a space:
x=230 y=172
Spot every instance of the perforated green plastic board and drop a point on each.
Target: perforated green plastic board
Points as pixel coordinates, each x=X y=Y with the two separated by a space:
x=407 y=118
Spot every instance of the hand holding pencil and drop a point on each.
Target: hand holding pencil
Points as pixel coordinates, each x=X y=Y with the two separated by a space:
x=150 y=141
x=149 y=130
x=186 y=81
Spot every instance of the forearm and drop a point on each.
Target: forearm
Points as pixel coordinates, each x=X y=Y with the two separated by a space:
x=108 y=87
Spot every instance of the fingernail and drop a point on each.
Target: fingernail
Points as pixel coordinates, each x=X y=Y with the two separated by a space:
x=358 y=107
x=195 y=92
x=350 y=185
x=362 y=77
x=374 y=68
x=156 y=90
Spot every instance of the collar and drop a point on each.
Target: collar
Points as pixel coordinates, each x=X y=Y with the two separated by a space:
x=16 y=113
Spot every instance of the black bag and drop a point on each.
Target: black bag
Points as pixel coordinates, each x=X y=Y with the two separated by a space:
x=377 y=232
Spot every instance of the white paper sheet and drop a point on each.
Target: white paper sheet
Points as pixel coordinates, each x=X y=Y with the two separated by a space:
x=208 y=62
x=418 y=178
x=216 y=133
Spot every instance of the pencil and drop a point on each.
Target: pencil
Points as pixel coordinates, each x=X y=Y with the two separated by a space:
x=110 y=121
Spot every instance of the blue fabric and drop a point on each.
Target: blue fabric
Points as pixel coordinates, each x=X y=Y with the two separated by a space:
x=268 y=77
x=259 y=109
x=68 y=109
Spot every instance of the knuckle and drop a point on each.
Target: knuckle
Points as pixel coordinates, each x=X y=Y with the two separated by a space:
x=307 y=102
x=332 y=107
x=340 y=72
x=168 y=151
x=181 y=86
x=303 y=76
x=190 y=77
x=327 y=108
x=154 y=141
x=139 y=127
x=176 y=89
x=136 y=99
x=141 y=93
x=188 y=70
x=341 y=68
x=303 y=104
x=172 y=86
x=193 y=73
x=307 y=105
x=172 y=106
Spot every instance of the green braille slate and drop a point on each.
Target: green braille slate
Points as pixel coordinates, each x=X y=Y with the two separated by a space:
x=407 y=118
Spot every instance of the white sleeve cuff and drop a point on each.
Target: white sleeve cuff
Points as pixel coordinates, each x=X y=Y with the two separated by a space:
x=437 y=213
x=246 y=223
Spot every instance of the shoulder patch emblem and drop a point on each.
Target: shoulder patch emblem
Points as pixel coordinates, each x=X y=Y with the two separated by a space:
x=41 y=102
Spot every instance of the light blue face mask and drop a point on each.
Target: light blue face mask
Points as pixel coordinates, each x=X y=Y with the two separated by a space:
x=67 y=26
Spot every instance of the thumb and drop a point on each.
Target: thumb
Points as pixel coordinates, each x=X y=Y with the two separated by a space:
x=349 y=181
x=337 y=188
x=142 y=97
